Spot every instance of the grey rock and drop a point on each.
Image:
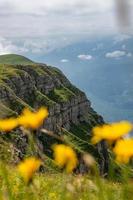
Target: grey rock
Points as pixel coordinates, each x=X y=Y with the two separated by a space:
x=19 y=91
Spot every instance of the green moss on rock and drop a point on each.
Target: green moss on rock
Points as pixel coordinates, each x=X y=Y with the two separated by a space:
x=61 y=95
x=42 y=99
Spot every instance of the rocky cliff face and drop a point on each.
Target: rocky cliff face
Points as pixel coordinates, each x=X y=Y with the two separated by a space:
x=38 y=85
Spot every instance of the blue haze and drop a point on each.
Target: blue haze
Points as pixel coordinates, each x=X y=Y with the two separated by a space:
x=108 y=82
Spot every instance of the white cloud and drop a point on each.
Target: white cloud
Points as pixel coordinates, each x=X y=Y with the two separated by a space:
x=6 y=47
x=118 y=54
x=42 y=7
x=33 y=45
x=55 y=19
x=71 y=19
x=115 y=54
x=84 y=57
x=56 y=23
x=64 y=60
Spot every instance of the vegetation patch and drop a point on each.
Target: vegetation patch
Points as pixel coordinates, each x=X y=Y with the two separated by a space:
x=7 y=71
x=5 y=150
x=75 y=90
x=81 y=130
x=5 y=111
x=42 y=99
x=14 y=59
x=34 y=67
x=61 y=95
x=82 y=137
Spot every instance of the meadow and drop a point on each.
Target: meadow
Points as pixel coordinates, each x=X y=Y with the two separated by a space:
x=38 y=178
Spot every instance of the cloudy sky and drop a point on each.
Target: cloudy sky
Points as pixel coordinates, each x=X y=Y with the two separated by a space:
x=41 y=26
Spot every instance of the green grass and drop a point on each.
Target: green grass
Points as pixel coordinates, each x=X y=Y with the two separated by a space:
x=77 y=138
x=7 y=71
x=17 y=104
x=5 y=111
x=60 y=186
x=14 y=59
x=75 y=90
x=61 y=95
x=43 y=100
x=52 y=183
x=39 y=70
x=81 y=130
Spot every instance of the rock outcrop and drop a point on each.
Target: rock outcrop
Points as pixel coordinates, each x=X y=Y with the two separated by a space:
x=38 y=85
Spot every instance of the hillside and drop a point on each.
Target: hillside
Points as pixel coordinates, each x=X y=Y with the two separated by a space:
x=36 y=85
x=14 y=59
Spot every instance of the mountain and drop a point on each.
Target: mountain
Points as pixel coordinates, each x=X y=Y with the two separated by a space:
x=35 y=85
x=14 y=59
x=107 y=80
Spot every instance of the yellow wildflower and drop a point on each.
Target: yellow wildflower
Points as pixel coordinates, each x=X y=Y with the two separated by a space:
x=8 y=124
x=111 y=132
x=28 y=167
x=65 y=156
x=123 y=150
x=33 y=120
x=53 y=196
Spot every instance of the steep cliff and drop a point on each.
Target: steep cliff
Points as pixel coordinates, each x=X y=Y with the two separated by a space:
x=34 y=85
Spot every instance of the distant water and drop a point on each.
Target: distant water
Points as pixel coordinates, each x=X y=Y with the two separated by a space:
x=109 y=111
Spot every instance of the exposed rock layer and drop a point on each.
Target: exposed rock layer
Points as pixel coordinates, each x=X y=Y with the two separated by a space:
x=40 y=85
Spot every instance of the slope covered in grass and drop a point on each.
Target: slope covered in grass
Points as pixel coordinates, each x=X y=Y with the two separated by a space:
x=59 y=186
x=14 y=59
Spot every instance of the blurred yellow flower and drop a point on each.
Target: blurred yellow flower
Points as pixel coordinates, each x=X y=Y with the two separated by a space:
x=111 y=132
x=123 y=150
x=32 y=120
x=53 y=196
x=65 y=156
x=28 y=167
x=8 y=124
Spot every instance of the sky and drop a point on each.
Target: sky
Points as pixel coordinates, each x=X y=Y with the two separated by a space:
x=40 y=26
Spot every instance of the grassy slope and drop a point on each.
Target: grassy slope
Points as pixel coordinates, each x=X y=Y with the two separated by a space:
x=61 y=186
x=9 y=69
x=53 y=186
x=61 y=95
x=14 y=59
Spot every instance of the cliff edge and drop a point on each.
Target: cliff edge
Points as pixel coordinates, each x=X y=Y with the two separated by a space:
x=34 y=85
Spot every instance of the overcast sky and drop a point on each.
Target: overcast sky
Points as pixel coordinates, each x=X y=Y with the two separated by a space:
x=41 y=25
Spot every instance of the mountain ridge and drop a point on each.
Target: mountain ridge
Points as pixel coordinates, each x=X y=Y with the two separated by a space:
x=36 y=85
x=14 y=59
